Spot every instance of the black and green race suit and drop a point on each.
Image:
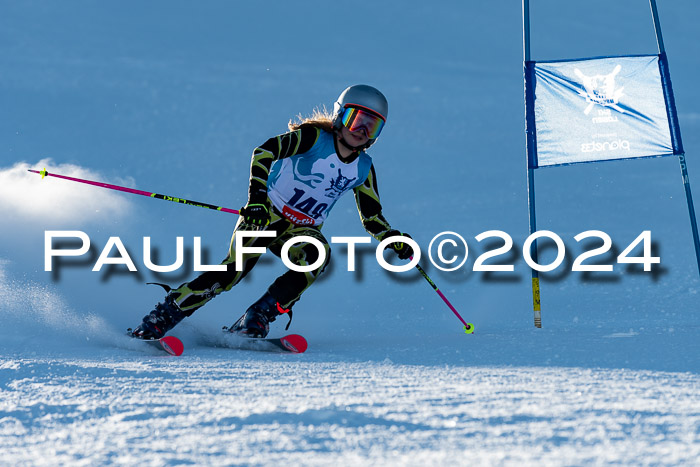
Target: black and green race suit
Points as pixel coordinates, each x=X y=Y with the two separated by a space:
x=290 y=151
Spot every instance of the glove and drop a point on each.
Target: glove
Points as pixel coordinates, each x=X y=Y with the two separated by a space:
x=402 y=249
x=257 y=215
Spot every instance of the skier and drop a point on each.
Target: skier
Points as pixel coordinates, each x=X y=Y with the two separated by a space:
x=295 y=179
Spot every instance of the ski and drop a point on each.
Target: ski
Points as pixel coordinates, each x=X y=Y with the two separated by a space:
x=292 y=343
x=170 y=344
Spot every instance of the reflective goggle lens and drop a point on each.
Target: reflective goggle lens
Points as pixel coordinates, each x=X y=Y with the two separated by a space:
x=355 y=119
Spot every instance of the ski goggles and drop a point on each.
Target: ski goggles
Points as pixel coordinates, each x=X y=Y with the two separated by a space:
x=355 y=118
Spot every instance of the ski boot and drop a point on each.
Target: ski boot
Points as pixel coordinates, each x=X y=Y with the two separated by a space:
x=255 y=322
x=159 y=321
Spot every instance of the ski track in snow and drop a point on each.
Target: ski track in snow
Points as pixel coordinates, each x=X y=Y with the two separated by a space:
x=222 y=409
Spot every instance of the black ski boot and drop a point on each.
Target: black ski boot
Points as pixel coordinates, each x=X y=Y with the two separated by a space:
x=255 y=322
x=159 y=321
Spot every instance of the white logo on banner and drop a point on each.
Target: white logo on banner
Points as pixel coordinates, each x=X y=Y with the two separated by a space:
x=601 y=146
x=600 y=89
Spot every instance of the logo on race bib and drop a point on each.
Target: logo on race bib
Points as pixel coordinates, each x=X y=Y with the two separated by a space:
x=339 y=185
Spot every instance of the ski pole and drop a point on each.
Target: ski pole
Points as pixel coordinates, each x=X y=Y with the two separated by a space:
x=468 y=327
x=174 y=199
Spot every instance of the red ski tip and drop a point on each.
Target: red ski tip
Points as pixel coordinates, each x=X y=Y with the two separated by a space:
x=294 y=343
x=172 y=345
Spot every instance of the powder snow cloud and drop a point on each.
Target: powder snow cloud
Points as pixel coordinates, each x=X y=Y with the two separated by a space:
x=26 y=198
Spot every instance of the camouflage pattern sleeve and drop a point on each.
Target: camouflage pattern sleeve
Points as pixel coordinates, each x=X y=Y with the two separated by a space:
x=367 y=199
x=278 y=147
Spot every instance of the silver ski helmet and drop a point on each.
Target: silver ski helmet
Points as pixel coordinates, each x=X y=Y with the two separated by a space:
x=363 y=98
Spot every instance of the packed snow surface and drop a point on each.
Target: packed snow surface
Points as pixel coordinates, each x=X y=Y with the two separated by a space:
x=217 y=410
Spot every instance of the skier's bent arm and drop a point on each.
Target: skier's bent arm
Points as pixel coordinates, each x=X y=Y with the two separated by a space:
x=367 y=198
x=370 y=208
x=278 y=147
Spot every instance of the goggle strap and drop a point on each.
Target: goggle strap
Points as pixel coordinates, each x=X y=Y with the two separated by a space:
x=367 y=109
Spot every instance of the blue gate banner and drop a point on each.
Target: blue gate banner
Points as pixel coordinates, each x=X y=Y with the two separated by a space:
x=596 y=110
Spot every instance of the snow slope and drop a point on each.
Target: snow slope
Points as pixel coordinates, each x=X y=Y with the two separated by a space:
x=315 y=411
x=172 y=97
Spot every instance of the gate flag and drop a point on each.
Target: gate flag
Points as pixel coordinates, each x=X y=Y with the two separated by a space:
x=598 y=109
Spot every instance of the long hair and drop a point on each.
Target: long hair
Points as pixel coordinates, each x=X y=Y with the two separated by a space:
x=320 y=118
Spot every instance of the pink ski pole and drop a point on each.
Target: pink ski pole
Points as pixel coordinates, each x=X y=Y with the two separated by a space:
x=468 y=327
x=174 y=199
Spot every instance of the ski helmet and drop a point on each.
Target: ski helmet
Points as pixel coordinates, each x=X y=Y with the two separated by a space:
x=363 y=97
